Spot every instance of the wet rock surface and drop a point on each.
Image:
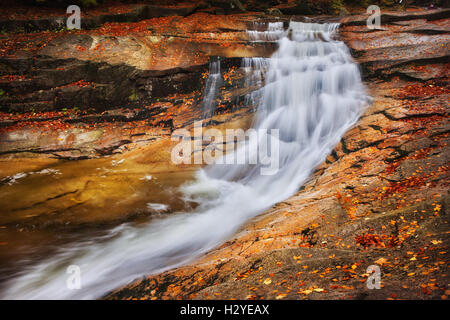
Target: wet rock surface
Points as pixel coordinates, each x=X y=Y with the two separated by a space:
x=147 y=76
x=415 y=48
x=381 y=198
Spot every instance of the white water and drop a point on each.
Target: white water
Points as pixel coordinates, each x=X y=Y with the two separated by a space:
x=274 y=31
x=255 y=70
x=313 y=94
x=212 y=85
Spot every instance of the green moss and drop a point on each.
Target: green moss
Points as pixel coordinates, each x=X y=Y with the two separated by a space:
x=89 y=3
x=337 y=6
x=134 y=96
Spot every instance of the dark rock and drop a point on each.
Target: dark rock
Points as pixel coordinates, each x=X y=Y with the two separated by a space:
x=57 y=23
x=303 y=8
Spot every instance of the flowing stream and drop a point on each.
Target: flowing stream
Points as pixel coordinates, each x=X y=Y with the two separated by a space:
x=312 y=94
x=212 y=85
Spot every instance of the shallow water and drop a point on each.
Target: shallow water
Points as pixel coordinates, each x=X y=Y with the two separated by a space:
x=48 y=207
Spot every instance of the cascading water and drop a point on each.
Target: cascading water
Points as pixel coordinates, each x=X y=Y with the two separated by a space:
x=312 y=93
x=275 y=31
x=212 y=85
x=255 y=69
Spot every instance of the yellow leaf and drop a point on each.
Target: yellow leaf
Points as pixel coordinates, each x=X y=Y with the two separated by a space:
x=381 y=261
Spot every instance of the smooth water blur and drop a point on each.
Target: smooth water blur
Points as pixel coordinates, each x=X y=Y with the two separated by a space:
x=312 y=94
x=212 y=86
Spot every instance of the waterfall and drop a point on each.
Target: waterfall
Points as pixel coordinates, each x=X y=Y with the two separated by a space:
x=275 y=31
x=212 y=85
x=255 y=69
x=312 y=94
